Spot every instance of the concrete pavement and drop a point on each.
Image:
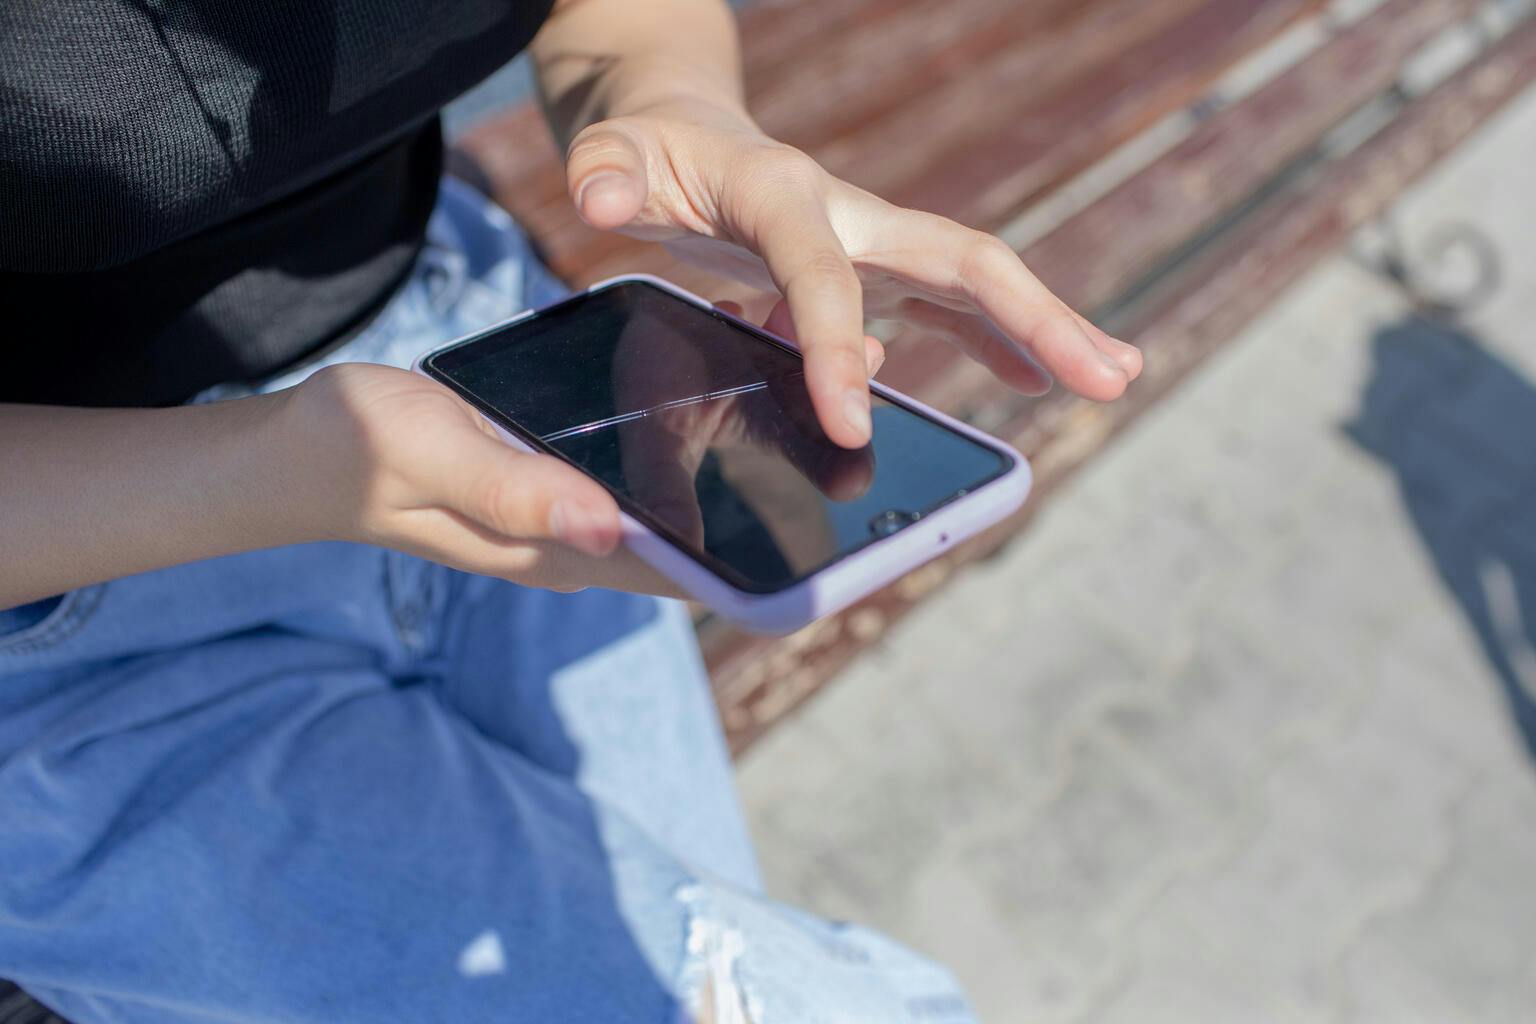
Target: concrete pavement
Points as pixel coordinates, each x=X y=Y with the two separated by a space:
x=1242 y=729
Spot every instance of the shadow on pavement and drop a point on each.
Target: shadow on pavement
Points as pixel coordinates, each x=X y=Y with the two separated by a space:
x=1457 y=425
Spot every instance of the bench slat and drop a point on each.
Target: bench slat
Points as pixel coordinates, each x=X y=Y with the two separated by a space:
x=1227 y=159
x=995 y=123
x=1013 y=128
x=1099 y=254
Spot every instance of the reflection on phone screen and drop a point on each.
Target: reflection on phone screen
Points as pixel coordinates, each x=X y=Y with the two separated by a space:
x=705 y=431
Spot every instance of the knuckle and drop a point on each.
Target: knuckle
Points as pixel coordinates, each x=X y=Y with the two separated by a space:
x=503 y=504
x=845 y=360
x=984 y=258
x=599 y=144
x=769 y=178
x=791 y=168
x=829 y=265
x=852 y=361
x=601 y=134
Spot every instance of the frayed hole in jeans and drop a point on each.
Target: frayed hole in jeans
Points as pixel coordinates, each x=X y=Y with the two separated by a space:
x=710 y=986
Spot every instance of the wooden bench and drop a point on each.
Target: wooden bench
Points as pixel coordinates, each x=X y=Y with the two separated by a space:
x=1169 y=167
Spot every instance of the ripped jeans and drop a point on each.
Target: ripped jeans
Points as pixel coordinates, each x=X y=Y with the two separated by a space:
x=332 y=784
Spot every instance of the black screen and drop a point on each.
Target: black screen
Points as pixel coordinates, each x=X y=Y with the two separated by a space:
x=704 y=430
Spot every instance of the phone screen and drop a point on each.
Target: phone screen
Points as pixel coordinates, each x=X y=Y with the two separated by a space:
x=703 y=430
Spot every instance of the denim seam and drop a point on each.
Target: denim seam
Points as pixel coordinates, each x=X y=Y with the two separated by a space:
x=392 y=596
x=409 y=603
x=61 y=623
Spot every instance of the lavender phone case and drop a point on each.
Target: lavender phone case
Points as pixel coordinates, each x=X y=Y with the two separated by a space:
x=851 y=578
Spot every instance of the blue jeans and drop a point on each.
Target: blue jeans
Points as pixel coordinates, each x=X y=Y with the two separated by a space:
x=331 y=783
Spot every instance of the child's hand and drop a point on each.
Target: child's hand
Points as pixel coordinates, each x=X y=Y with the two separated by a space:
x=391 y=458
x=710 y=185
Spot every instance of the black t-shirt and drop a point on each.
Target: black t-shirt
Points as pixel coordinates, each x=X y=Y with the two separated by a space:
x=198 y=191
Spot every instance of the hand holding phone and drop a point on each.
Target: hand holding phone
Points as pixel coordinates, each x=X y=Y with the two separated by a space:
x=396 y=460
x=701 y=429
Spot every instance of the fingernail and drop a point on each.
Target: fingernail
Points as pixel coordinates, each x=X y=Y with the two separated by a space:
x=856 y=411
x=599 y=180
x=1125 y=349
x=582 y=528
x=1111 y=362
x=879 y=362
x=1129 y=357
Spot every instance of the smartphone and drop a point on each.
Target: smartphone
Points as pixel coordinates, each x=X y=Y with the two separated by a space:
x=700 y=426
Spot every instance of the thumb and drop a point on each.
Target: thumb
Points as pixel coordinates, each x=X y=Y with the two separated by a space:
x=605 y=172
x=523 y=496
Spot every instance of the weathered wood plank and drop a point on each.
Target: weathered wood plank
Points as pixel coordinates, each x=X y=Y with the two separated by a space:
x=1101 y=252
x=1009 y=99
x=1205 y=305
x=1014 y=127
x=856 y=82
x=1225 y=160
